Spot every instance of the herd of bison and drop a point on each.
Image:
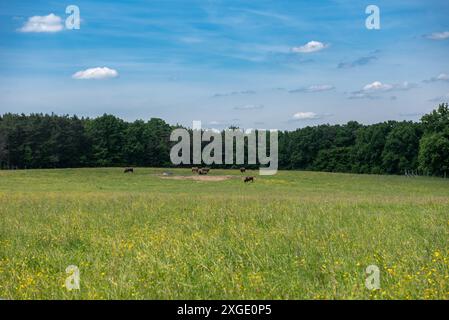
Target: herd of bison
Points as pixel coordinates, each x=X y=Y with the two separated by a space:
x=203 y=171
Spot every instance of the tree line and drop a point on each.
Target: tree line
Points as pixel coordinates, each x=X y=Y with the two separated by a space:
x=391 y=147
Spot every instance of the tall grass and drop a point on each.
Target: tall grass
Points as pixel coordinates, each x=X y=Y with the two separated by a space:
x=296 y=235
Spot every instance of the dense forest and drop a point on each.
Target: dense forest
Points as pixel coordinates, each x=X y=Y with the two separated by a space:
x=392 y=147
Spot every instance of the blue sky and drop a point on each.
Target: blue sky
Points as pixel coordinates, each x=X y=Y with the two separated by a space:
x=242 y=63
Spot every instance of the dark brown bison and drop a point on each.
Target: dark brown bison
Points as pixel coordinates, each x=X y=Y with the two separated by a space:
x=195 y=170
x=128 y=170
x=242 y=170
x=248 y=179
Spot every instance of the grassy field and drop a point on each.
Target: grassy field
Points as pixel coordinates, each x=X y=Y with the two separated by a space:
x=296 y=235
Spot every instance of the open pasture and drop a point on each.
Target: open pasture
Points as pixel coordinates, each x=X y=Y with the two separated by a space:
x=295 y=235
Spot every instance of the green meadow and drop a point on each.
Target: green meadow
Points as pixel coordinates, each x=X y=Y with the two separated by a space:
x=295 y=235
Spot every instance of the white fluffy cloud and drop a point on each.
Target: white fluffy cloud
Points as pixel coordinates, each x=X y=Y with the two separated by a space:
x=311 y=46
x=439 y=35
x=95 y=73
x=370 y=90
x=377 y=86
x=306 y=116
x=50 y=23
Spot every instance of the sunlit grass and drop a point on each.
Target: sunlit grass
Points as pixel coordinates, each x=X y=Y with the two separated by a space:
x=291 y=236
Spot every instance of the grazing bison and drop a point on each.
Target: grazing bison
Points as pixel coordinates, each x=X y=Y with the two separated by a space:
x=195 y=170
x=242 y=170
x=248 y=179
x=203 y=171
x=206 y=169
x=128 y=170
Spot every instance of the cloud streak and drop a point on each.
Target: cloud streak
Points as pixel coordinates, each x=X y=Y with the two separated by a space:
x=314 y=88
x=444 y=98
x=249 y=107
x=356 y=63
x=441 y=77
x=234 y=93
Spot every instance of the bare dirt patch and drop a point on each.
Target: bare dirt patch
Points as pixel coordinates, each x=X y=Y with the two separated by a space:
x=198 y=178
